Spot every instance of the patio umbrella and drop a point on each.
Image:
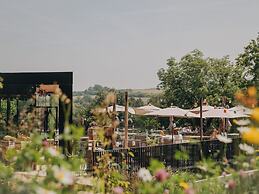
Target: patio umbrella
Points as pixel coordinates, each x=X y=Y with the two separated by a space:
x=120 y=108
x=204 y=108
x=240 y=110
x=173 y=112
x=146 y=109
x=221 y=113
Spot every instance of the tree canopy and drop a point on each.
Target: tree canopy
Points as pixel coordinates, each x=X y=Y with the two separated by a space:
x=249 y=59
x=185 y=81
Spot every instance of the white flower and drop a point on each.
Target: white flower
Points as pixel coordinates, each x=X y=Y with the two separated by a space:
x=243 y=129
x=242 y=122
x=144 y=174
x=53 y=152
x=245 y=165
x=40 y=190
x=248 y=149
x=63 y=176
x=224 y=139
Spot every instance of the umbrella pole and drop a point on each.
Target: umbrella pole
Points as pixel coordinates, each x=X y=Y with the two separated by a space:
x=157 y=127
x=201 y=119
x=126 y=121
x=172 y=127
x=224 y=119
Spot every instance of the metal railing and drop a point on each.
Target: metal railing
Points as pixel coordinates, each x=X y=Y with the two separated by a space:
x=138 y=157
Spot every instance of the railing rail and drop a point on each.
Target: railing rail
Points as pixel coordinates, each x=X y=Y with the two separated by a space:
x=138 y=157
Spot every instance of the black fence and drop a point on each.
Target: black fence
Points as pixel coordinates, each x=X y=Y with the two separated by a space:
x=171 y=154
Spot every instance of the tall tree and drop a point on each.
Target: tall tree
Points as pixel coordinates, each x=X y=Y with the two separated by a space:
x=194 y=76
x=249 y=59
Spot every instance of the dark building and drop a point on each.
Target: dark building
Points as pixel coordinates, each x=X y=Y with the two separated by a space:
x=21 y=87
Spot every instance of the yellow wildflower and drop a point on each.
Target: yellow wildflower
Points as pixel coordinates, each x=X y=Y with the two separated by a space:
x=255 y=114
x=251 y=136
x=239 y=95
x=184 y=185
x=251 y=91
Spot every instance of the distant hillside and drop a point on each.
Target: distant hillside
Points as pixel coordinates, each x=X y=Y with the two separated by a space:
x=142 y=92
x=92 y=91
x=136 y=95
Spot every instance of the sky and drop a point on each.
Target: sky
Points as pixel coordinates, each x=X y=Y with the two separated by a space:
x=119 y=43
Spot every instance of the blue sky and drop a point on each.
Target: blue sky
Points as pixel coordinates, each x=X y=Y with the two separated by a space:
x=119 y=43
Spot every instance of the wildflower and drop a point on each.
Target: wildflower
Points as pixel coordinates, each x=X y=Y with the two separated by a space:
x=189 y=191
x=45 y=143
x=251 y=102
x=224 y=174
x=225 y=161
x=63 y=176
x=253 y=161
x=231 y=184
x=40 y=190
x=161 y=175
x=85 y=192
x=248 y=149
x=255 y=114
x=239 y=96
x=245 y=165
x=184 y=185
x=251 y=136
x=117 y=190
x=144 y=174
x=243 y=129
x=224 y=139
x=242 y=174
x=251 y=91
x=242 y=122
x=53 y=152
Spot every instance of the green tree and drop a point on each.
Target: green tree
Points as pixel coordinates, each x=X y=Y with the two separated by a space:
x=224 y=79
x=249 y=60
x=184 y=82
x=157 y=100
x=136 y=102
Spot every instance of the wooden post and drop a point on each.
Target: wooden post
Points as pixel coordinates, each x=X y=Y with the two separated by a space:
x=126 y=121
x=201 y=119
x=114 y=121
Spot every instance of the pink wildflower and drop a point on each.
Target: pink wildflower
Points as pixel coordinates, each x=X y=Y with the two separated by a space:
x=189 y=191
x=231 y=184
x=161 y=175
x=117 y=190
